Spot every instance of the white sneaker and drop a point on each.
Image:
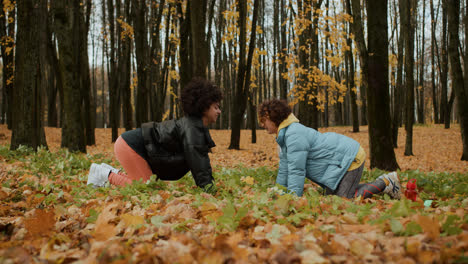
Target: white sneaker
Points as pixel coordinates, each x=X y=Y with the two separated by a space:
x=394 y=187
x=98 y=175
x=114 y=170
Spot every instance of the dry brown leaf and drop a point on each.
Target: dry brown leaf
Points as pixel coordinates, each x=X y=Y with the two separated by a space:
x=177 y=209
x=41 y=223
x=361 y=247
x=132 y=220
x=430 y=225
x=104 y=229
x=312 y=257
x=428 y=257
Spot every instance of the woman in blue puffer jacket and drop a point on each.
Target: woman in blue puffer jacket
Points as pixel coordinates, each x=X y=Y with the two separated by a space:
x=331 y=160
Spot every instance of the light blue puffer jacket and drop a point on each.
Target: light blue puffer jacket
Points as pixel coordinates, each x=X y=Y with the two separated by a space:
x=307 y=153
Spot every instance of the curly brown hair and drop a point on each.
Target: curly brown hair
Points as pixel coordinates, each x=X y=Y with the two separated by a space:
x=275 y=110
x=198 y=95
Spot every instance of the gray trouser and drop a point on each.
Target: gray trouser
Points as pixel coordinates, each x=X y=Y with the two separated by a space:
x=349 y=186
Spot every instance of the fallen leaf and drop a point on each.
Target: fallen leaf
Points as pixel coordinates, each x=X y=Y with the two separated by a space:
x=132 y=220
x=104 y=229
x=41 y=223
x=361 y=247
x=312 y=257
x=248 y=180
x=429 y=225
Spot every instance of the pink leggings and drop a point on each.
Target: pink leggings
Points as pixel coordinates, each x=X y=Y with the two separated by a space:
x=135 y=166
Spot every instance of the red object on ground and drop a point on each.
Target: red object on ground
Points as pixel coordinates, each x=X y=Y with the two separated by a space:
x=411 y=193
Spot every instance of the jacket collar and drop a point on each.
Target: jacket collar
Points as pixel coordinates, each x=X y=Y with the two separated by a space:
x=195 y=121
x=198 y=122
x=288 y=121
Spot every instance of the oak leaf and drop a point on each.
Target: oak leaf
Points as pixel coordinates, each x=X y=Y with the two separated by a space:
x=430 y=225
x=132 y=220
x=104 y=229
x=41 y=223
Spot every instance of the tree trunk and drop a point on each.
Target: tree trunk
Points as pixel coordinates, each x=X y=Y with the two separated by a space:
x=444 y=110
x=433 y=69
x=276 y=48
x=156 y=79
x=200 y=48
x=459 y=83
x=184 y=48
x=68 y=35
x=327 y=69
x=27 y=126
x=237 y=112
x=351 y=85
x=253 y=119
x=380 y=137
x=125 y=69
x=54 y=78
x=219 y=61
x=139 y=13
x=85 y=79
x=283 y=83
x=421 y=70
x=357 y=28
x=397 y=115
x=54 y=82
x=304 y=84
x=209 y=37
x=408 y=11
x=114 y=93
x=227 y=110
x=7 y=35
x=94 y=81
x=160 y=90
x=314 y=57
x=243 y=75
x=104 y=54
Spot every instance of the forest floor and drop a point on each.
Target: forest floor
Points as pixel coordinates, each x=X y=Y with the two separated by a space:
x=435 y=148
x=48 y=214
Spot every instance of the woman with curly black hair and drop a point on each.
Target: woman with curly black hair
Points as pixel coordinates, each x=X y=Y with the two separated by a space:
x=168 y=149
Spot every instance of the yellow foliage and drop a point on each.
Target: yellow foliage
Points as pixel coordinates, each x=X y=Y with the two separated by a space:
x=310 y=84
x=248 y=180
x=127 y=30
x=8 y=50
x=174 y=75
x=8 y=6
x=134 y=82
x=393 y=60
x=259 y=30
x=10 y=80
x=166 y=115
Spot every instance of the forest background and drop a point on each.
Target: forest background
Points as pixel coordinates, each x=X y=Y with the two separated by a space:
x=84 y=64
x=389 y=73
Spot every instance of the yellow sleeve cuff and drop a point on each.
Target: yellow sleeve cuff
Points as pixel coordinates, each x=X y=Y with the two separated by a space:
x=358 y=160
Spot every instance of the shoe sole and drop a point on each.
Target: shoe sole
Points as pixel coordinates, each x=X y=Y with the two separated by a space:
x=94 y=170
x=395 y=180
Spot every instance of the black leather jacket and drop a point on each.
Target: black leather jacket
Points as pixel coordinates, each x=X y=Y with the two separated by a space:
x=176 y=146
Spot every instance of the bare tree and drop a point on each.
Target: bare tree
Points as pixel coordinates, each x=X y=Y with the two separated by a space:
x=460 y=85
x=243 y=74
x=7 y=38
x=68 y=35
x=380 y=138
x=407 y=11
x=27 y=128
